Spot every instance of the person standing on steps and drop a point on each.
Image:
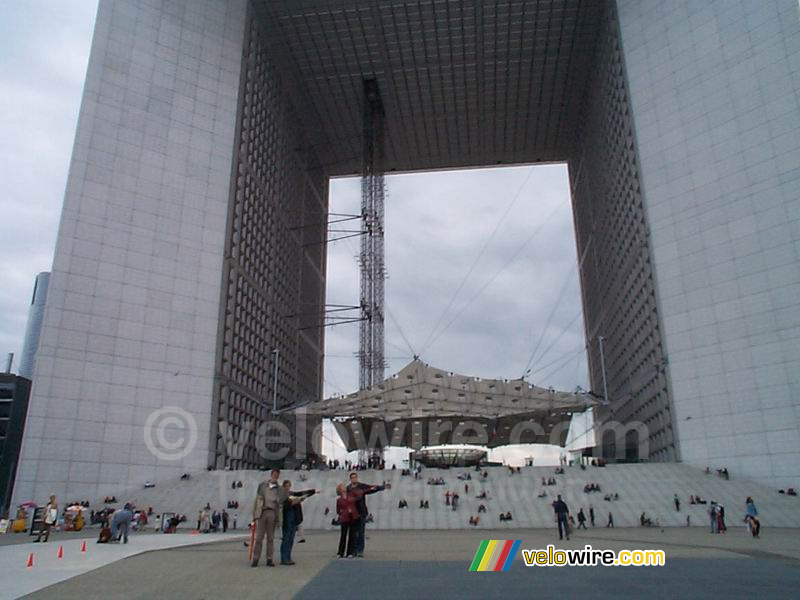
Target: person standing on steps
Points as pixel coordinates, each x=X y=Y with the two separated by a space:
x=364 y=489
x=591 y=515
x=677 y=503
x=270 y=497
x=610 y=520
x=562 y=514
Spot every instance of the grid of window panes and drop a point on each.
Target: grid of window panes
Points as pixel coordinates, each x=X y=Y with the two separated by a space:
x=274 y=270
x=617 y=275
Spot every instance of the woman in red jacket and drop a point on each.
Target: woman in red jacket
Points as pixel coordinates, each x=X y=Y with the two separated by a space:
x=347 y=509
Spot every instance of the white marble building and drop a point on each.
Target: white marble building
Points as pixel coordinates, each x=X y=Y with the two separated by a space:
x=206 y=123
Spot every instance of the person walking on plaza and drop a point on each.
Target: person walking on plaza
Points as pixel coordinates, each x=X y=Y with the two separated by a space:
x=225 y=518
x=347 y=511
x=721 y=527
x=581 y=519
x=49 y=518
x=712 y=514
x=751 y=517
x=267 y=515
x=677 y=503
x=562 y=514
x=610 y=521
x=364 y=489
x=292 y=517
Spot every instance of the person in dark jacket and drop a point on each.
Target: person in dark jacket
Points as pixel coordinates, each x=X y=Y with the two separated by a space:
x=349 y=518
x=581 y=519
x=292 y=517
x=562 y=514
x=364 y=489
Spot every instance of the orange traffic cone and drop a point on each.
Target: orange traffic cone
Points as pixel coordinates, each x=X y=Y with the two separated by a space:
x=60 y=553
x=83 y=547
x=29 y=564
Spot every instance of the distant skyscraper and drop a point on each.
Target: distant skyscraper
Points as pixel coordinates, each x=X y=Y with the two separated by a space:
x=34 y=328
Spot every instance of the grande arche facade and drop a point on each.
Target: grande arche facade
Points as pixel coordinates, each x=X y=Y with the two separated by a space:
x=191 y=244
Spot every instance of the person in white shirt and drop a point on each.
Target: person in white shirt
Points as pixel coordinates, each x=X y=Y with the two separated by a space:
x=50 y=518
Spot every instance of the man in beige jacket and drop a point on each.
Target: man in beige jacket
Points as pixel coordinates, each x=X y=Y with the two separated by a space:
x=267 y=515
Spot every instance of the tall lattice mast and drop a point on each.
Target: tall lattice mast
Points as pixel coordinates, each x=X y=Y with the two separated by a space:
x=373 y=274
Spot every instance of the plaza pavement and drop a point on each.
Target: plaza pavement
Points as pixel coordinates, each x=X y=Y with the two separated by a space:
x=16 y=579
x=434 y=564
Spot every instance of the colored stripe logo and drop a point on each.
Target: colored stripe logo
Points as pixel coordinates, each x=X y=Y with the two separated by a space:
x=495 y=555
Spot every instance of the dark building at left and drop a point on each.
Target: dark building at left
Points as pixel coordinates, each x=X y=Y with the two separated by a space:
x=14 y=394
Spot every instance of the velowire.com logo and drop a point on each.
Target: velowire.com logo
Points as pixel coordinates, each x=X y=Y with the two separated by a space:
x=495 y=555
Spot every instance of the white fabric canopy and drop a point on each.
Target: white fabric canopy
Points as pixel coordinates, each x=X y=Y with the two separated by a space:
x=420 y=391
x=422 y=406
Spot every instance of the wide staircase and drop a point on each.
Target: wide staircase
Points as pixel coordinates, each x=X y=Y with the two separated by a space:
x=647 y=488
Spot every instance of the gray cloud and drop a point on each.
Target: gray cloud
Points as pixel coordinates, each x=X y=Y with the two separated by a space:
x=436 y=225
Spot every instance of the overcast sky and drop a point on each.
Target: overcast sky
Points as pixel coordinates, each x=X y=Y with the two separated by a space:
x=44 y=48
x=481 y=267
x=481 y=263
x=505 y=238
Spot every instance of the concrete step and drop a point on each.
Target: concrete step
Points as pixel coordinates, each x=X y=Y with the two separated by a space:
x=645 y=488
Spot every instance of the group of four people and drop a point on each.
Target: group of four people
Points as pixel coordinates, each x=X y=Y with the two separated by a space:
x=277 y=504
